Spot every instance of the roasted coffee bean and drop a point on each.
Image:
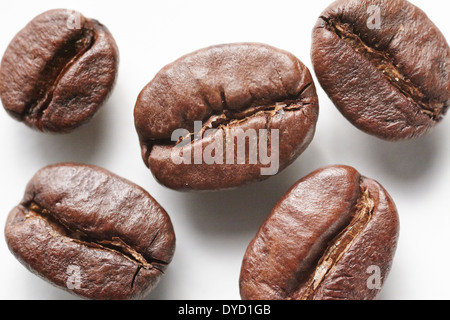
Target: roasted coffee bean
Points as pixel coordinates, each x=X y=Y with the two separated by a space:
x=385 y=66
x=224 y=98
x=91 y=232
x=332 y=236
x=58 y=71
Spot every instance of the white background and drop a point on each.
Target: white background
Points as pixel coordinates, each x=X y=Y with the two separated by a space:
x=214 y=229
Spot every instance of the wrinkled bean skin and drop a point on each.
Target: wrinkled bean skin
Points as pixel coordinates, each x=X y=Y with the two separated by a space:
x=78 y=218
x=385 y=66
x=230 y=87
x=322 y=239
x=58 y=71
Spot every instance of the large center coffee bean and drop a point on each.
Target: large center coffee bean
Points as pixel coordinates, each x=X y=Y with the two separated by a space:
x=91 y=232
x=226 y=115
x=332 y=236
x=385 y=66
x=58 y=71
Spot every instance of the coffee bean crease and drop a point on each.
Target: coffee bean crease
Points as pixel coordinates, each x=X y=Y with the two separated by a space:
x=343 y=241
x=387 y=65
x=114 y=245
x=66 y=56
x=229 y=118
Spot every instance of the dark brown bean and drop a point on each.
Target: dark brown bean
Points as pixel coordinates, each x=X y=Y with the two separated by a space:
x=385 y=66
x=332 y=236
x=58 y=71
x=233 y=88
x=91 y=232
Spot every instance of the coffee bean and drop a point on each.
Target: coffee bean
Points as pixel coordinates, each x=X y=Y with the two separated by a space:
x=238 y=109
x=332 y=236
x=58 y=71
x=385 y=66
x=91 y=232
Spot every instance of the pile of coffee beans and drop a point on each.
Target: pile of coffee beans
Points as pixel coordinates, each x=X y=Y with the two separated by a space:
x=215 y=119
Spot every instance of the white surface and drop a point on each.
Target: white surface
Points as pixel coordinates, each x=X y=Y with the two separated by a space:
x=214 y=229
